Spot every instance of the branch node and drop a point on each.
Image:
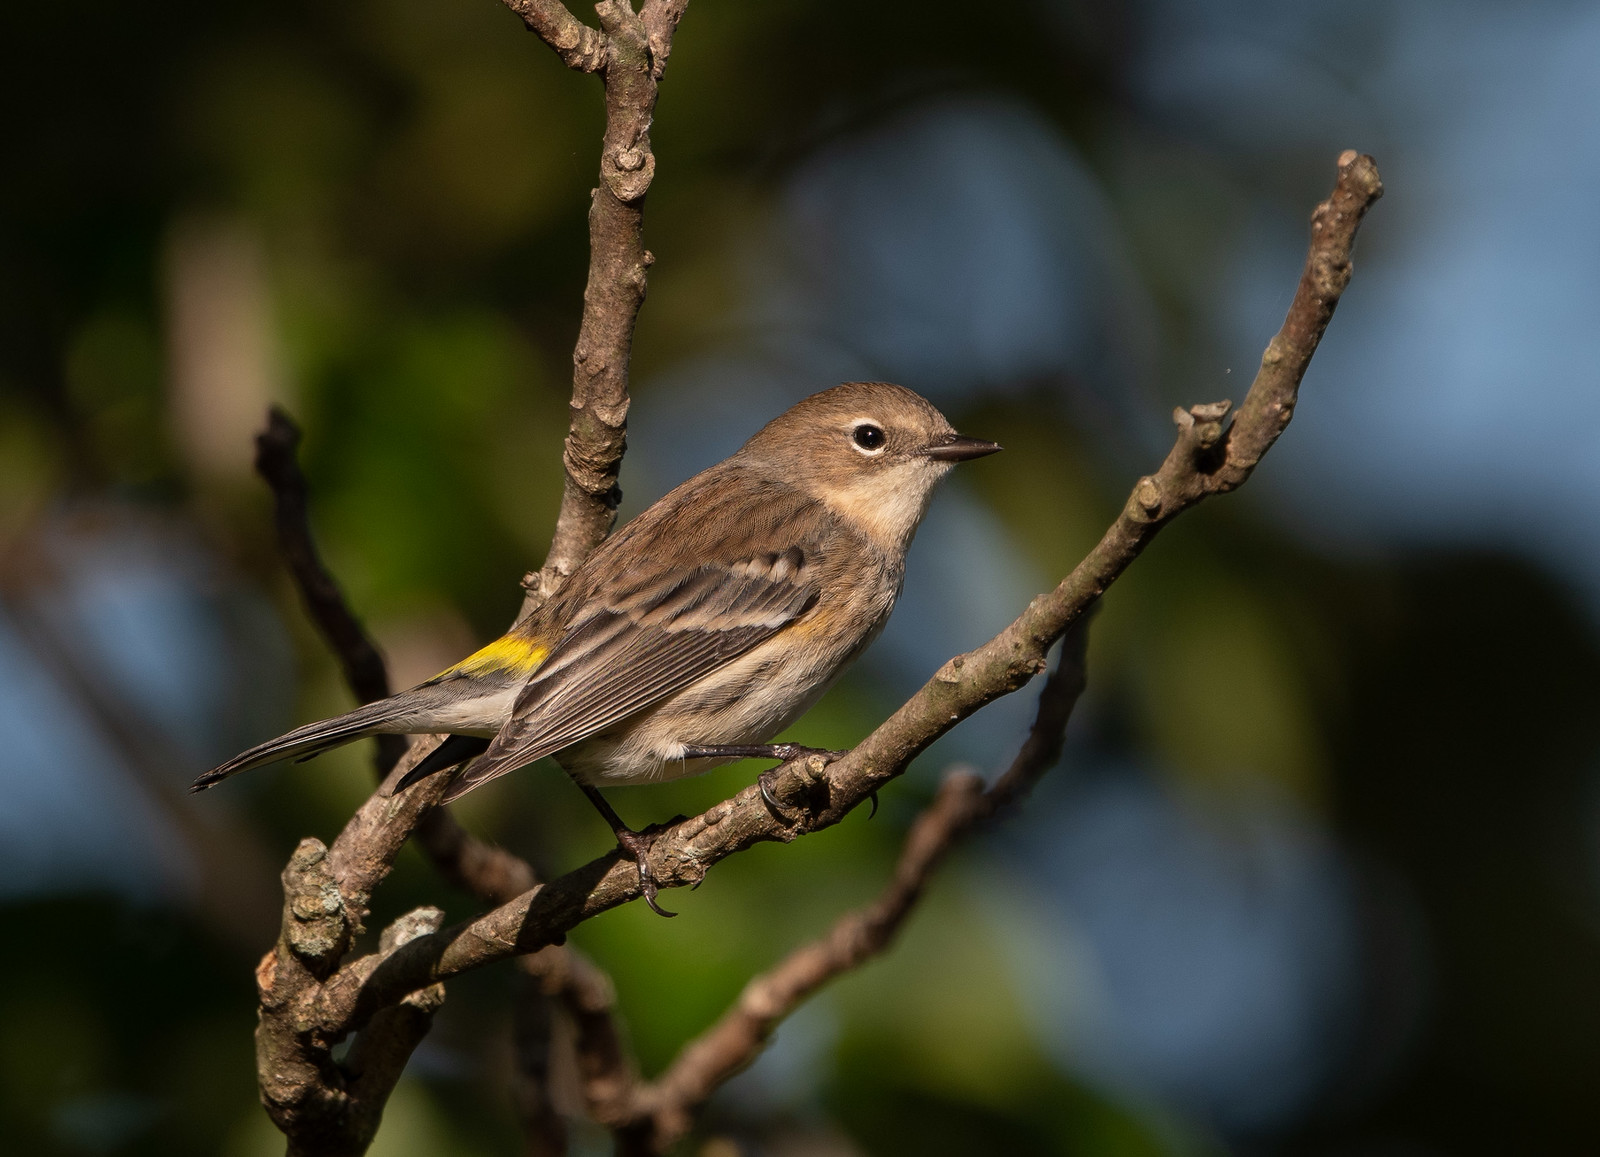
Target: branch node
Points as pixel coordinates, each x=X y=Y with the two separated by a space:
x=580 y=47
x=617 y=17
x=1211 y=411
x=1200 y=427
x=628 y=176
x=316 y=926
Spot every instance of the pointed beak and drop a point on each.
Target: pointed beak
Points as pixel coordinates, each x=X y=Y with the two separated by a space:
x=959 y=448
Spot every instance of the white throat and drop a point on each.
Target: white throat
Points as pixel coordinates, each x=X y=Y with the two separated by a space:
x=887 y=507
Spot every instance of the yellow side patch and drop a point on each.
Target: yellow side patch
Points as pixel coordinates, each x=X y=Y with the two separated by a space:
x=507 y=653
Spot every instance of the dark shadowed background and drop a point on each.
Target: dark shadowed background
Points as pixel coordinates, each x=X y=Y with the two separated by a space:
x=1320 y=873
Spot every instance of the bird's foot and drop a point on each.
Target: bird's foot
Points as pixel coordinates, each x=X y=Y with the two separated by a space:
x=638 y=845
x=767 y=781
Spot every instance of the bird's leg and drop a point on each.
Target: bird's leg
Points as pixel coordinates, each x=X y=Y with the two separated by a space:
x=782 y=752
x=636 y=844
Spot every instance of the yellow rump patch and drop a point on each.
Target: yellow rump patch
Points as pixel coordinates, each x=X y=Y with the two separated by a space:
x=507 y=653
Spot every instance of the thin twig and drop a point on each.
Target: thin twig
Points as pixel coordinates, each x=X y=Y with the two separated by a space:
x=490 y=873
x=607 y=1072
x=278 y=463
x=1209 y=457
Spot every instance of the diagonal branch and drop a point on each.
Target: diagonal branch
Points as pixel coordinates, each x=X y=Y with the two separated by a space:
x=580 y=47
x=665 y=1109
x=1209 y=457
x=278 y=463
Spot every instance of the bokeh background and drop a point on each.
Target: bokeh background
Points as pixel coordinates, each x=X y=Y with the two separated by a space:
x=1320 y=873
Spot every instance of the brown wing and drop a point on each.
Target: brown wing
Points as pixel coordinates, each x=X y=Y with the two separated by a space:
x=641 y=643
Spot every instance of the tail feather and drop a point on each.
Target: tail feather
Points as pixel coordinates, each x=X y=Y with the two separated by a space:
x=477 y=773
x=454 y=750
x=312 y=739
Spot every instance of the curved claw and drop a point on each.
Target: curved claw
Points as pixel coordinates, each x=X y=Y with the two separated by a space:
x=765 y=782
x=874 y=798
x=637 y=845
x=650 y=896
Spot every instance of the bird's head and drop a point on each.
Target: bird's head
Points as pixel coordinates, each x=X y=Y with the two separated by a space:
x=871 y=451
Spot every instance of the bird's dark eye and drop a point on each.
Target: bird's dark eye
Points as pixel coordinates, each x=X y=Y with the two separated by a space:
x=867 y=436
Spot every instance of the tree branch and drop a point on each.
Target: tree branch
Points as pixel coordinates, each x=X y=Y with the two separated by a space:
x=607 y=1071
x=580 y=47
x=323 y=1107
x=278 y=463
x=665 y=1109
x=631 y=59
x=535 y=1039
x=379 y=1055
x=1209 y=457
x=490 y=873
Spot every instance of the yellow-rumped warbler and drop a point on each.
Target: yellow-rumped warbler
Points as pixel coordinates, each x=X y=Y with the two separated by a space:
x=699 y=630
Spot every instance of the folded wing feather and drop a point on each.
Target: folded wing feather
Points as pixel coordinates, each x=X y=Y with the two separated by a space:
x=642 y=645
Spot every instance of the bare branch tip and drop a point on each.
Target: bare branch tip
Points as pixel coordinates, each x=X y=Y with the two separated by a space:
x=1361 y=170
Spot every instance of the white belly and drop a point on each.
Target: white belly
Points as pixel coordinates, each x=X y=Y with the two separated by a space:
x=750 y=700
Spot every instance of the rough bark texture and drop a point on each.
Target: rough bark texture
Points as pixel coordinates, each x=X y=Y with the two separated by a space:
x=631 y=54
